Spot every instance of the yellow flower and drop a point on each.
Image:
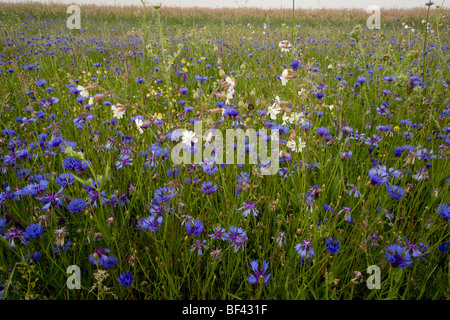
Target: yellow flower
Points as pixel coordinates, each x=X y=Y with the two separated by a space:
x=396 y=128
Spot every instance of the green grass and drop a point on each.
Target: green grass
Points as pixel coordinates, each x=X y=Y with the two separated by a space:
x=162 y=265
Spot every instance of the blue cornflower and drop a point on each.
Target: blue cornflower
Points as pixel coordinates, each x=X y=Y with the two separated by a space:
x=398 y=256
x=33 y=231
x=76 y=205
x=152 y=223
x=443 y=210
x=259 y=275
x=8 y=132
x=322 y=131
x=65 y=179
x=140 y=80
x=208 y=187
x=333 y=246
x=378 y=176
x=98 y=257
x=195 y=227
x=125 y=279
x=395 y=192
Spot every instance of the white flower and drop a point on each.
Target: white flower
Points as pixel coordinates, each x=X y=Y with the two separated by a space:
x=297 y=117
x=283 y=77
x=274 y=109
x=230 y=91
x=301 y=91
x=188 y=137
x=117 y=113
x=330 y=107
x=285 y=46
x=291 y=144
x=139 y=124
x=91 y=101
x=330 y=66
x=84 y=92
x=286 y=119
x=275 y=135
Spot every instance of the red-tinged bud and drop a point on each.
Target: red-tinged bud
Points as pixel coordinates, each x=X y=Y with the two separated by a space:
x=292 y=136
x=285 y=102
x=99 y=96
x=216 y=110
x=289 y=77
x=92 y=86
x=147 y=123
x=121 y=107
x=221 y=95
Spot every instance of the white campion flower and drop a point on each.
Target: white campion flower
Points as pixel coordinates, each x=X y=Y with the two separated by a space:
x=301 y=91
x=91 y=101
x=297 y=117
x=330 y=107
x=286 y=119
x=188 y=137
x=117 y=112
x=84 y=92
x=285 y=46
x=230 y=90
x=291 y=144
x=330 y=66
x=283 y=77
x=139 y=124
x=274 y=109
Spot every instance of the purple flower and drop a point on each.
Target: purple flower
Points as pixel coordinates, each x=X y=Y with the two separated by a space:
x=305 y=249
x=218 y=233
x=124 y=160
x=15 y=234
x=259 y=275
x=249 y=208
x=199 y=246
x=237 y=236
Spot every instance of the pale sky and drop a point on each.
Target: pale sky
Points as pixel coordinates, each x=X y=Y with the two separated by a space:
x=265 y=4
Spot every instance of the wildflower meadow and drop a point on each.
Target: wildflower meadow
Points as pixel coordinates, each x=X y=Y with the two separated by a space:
x=151 y=152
